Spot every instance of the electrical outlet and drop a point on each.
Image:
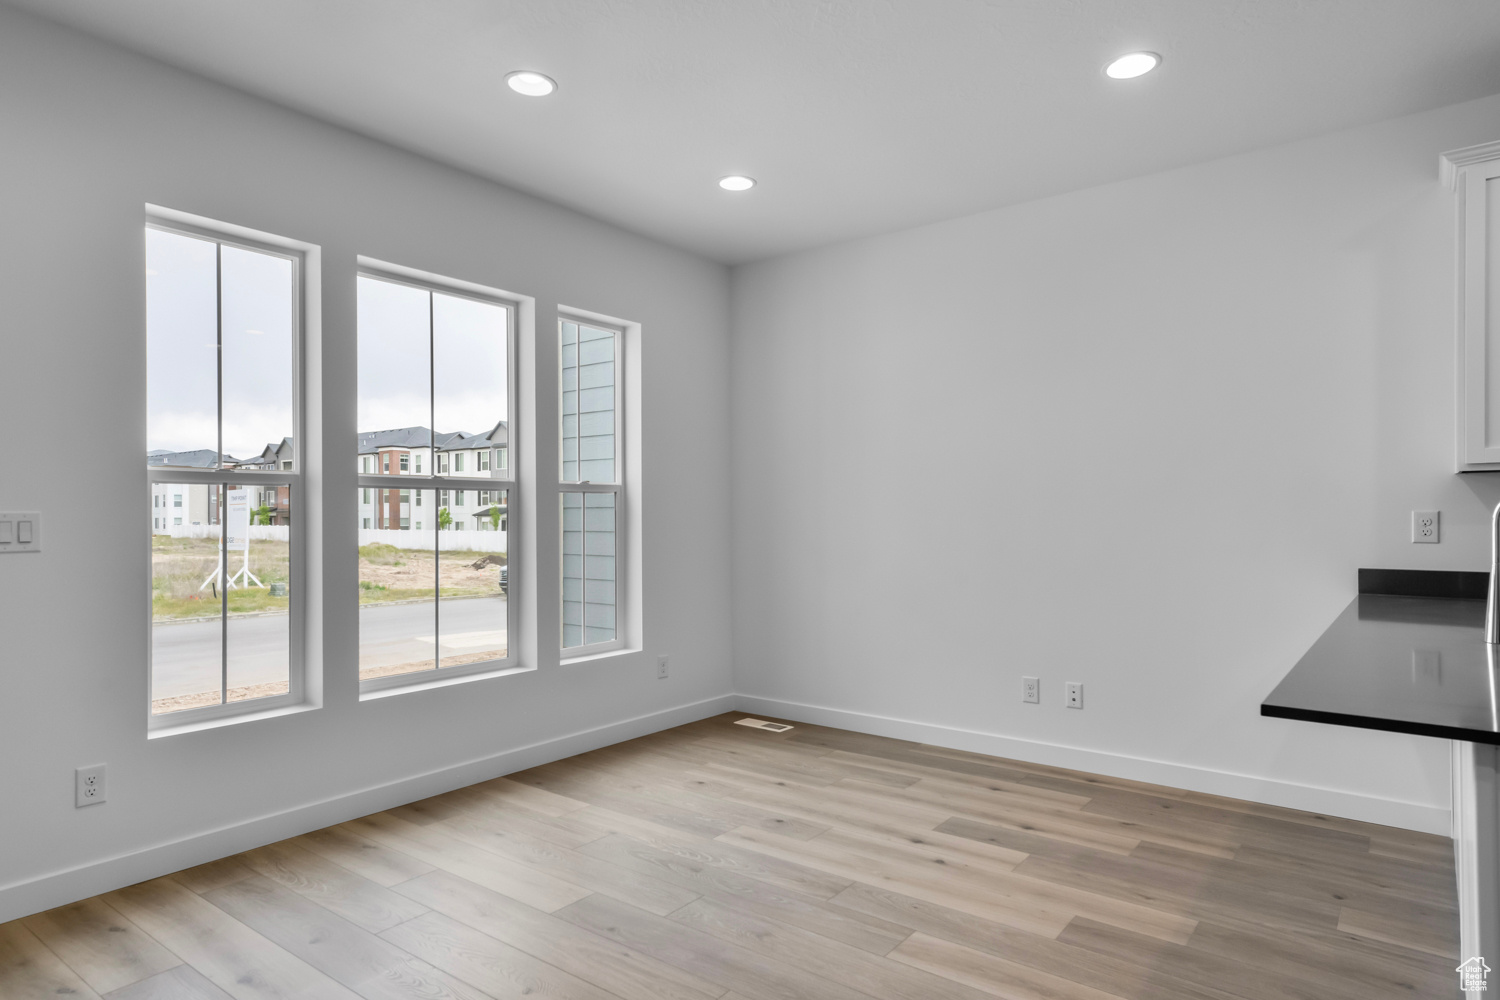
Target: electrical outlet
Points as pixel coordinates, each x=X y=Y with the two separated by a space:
x=1031 y=690
x=1075 y=694
x=1424 y=525
x=88 y=785
x=661 y=668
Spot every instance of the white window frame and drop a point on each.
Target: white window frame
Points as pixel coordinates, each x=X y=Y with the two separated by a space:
x=441 y=481
x=623 y=596
x=293 y=478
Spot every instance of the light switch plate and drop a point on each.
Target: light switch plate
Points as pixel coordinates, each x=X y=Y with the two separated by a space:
x=24 y=533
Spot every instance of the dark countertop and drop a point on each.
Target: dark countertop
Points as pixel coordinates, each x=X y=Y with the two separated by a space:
x=1402 y=663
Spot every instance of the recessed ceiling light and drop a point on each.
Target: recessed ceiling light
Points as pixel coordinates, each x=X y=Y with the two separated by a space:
x=1132 y=65
x=736 y=182
x=524 y=81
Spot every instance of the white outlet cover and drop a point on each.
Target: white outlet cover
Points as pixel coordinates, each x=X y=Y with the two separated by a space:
x=88 y=785
x=1426 y=526
x=1075 y=694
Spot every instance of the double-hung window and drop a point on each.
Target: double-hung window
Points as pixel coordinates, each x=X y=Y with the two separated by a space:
x=436 y=365
x=591 y=487
x=223 y=341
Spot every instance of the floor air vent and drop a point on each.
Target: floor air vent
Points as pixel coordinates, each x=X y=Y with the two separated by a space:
x=775 y=727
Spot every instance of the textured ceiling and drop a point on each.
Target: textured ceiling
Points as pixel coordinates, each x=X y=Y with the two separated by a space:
x=856 y=116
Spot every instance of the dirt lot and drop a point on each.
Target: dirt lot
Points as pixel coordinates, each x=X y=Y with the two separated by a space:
x=387 y=573
x=180 y=565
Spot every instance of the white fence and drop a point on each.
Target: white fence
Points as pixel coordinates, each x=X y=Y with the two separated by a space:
x=448 y=541
x=258 y=532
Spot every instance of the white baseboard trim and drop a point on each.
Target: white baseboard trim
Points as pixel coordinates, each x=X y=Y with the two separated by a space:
x=1328 y=801
x=58 y=888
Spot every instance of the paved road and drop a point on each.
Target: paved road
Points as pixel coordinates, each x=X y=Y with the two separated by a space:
x=185 y=657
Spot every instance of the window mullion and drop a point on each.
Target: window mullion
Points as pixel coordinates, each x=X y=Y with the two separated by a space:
x=218 y=488
x=437 y=524
x=433 y=483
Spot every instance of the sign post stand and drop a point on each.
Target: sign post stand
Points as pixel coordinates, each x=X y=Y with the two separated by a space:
x=237 y=531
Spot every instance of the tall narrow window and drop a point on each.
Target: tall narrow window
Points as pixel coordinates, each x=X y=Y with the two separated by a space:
x=591 y=486
x=222 y=342
x=435 y=368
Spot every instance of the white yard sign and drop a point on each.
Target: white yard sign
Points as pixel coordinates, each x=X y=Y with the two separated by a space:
x=236 y=539
x=237 y=521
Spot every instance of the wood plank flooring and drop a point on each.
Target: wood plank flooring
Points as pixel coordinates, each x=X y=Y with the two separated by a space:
x=719 y=862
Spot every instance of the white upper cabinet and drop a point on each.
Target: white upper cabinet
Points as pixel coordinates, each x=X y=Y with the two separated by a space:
x=1473 y=174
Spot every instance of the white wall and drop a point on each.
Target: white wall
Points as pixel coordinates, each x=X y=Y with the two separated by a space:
x=92 y=134
x=1139 y=436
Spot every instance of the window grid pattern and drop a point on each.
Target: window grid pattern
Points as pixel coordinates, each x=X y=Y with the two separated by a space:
x=589 y=363
x=588 y=570
x=590 y=488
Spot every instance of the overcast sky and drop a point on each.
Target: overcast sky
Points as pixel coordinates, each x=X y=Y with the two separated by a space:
x=467 y=348
x=467 y=341
x=182 y=380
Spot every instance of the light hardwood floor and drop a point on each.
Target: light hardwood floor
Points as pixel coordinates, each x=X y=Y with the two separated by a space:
x=719 y=861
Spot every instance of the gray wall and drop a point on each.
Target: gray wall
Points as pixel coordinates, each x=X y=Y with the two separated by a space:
x=1139 y=436
x=90 y=135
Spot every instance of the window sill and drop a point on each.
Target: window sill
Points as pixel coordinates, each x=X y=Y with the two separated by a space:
x=440 y=682
x=591 y=657
x=158 y=732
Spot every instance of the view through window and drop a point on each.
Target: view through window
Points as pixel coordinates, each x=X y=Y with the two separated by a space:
x=434 y=395
x=221 y=322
